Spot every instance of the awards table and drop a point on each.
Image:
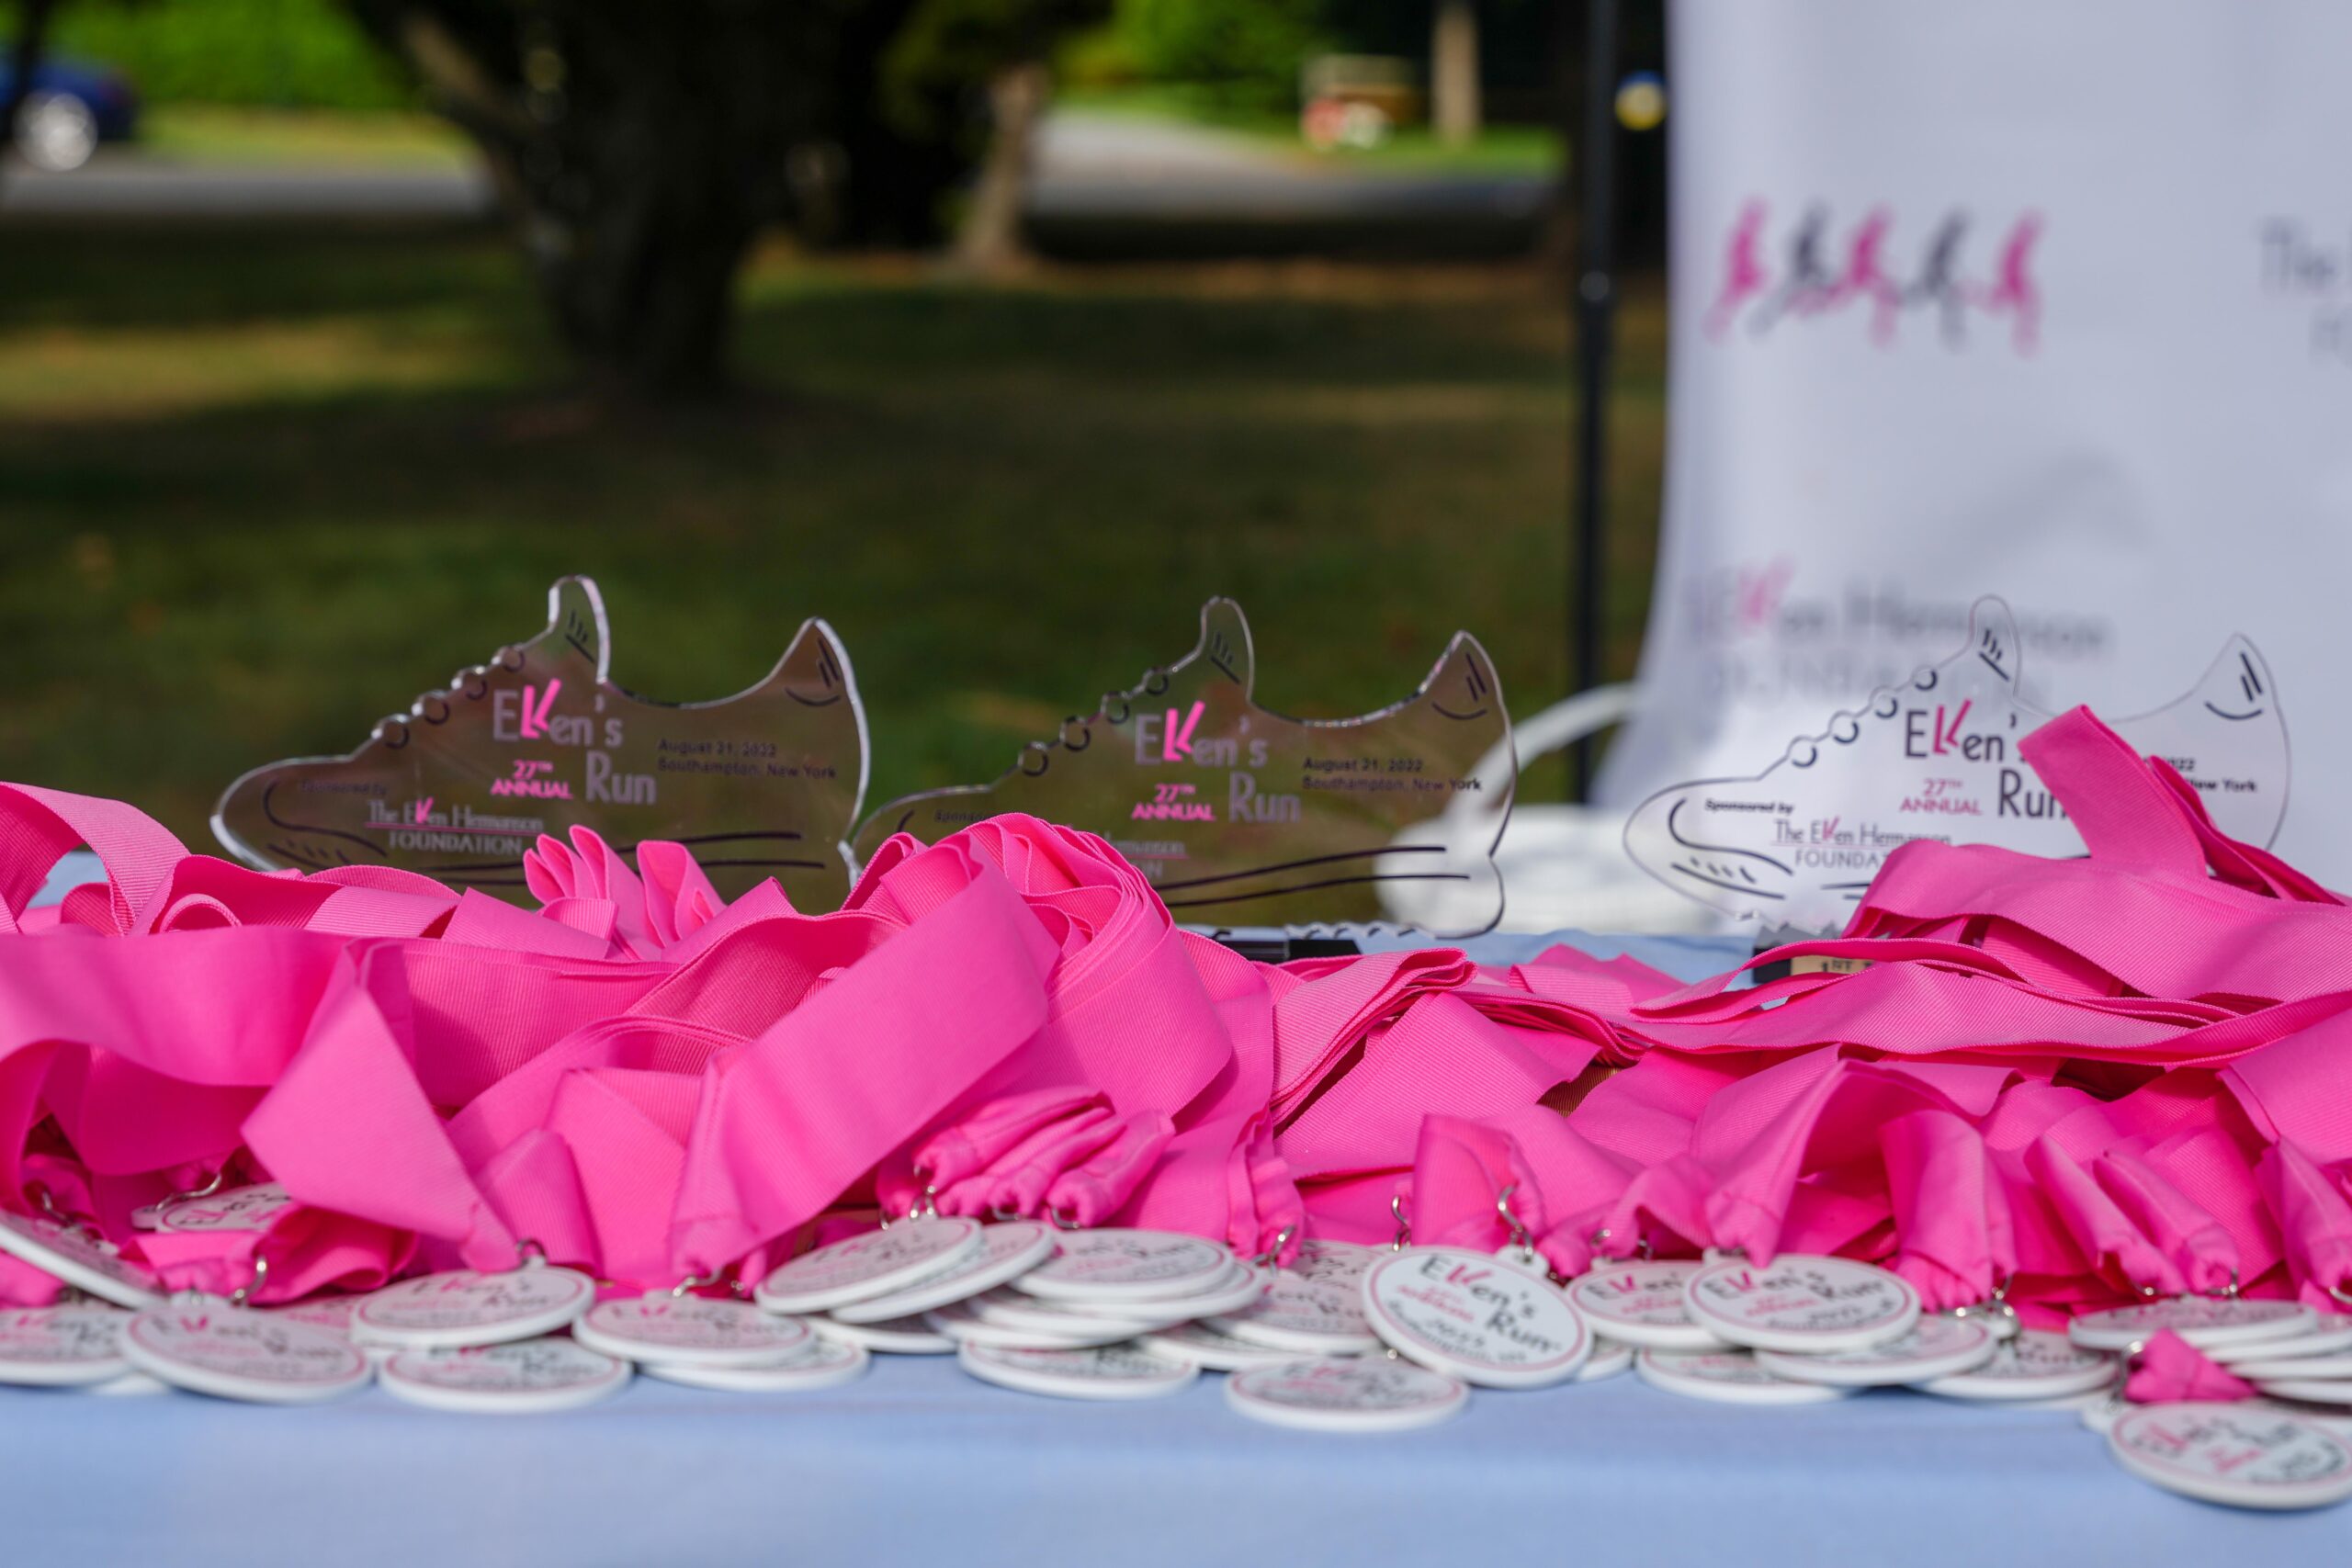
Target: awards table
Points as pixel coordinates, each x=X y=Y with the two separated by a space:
x=917 y=1461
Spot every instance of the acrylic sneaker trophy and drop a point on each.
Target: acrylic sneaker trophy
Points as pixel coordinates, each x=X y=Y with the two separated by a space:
x=762 y=784
x=1242 y=817
x=1796 y=844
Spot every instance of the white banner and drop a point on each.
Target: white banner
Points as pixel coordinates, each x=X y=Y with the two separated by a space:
x=2046 y=301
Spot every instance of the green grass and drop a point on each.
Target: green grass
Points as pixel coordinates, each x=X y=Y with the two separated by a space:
x=256 y=489
x=216 y=133
x=1499 y=149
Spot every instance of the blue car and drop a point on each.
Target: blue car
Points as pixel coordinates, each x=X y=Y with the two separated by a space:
x=71 y=107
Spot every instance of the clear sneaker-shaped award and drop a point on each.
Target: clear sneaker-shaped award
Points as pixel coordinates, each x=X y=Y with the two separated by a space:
x=1242 y=817
x=762 y=784
x=1936 y=757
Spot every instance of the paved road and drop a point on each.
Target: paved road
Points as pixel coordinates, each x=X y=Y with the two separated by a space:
x=1099 y=179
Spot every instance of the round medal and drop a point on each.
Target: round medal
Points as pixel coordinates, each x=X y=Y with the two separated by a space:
x=2329 y=1335
x=1213 y=1349
x=2223 y=1453
x=1114 y=1371
x=1935 y=1347
x=1355 y=1394
x=1335 y=1262
x=898 y=1336
x=959 y=1323
x=1609 y=1359
x=2327 y=1364
x=463 y=1307
x=819 y=1363
x=2311 y=1390
x=83 y=1260
x=2203 y=1321
x=1006 y=1252
x=61 y=1346
x=131 y=1385
x=1641 y=1303
x=1240 y=1287
x=519 y=1377
x=1009 y=1309
x=330 y=1312
x=1811 y=1306
x=239 y=1209
x=1304 y=1317
x=879 y=1263
x=690 y=1331
x=1730 y=1377
x=1119 y=1265
x=208 y=1346
x=2033 y=1366
x=1474 y=1316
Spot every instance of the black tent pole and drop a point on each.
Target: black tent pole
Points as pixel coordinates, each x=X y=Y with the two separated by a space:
x=1595 y=155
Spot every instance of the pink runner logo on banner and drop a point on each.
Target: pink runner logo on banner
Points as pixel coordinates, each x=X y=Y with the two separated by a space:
x=1807 y=284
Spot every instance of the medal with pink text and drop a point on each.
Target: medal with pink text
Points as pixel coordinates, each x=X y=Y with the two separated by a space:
x=206 y=1345
x=466 y=1307
x=521 y=1377
x=2237 y=1455
x=877 y=1263
x=1801 y=1304
x=1372 y=1393
x=70 y=1346
x=1475 y=1316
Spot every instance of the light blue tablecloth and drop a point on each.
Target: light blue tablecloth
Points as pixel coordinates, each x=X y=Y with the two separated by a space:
x=919 y=1464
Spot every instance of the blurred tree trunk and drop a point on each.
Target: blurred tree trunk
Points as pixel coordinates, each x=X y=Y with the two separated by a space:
x=992 y=240
x=642 y=145
x=1454 y=110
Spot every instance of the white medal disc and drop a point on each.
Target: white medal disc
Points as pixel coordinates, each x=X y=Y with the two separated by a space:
x=1119 y=1265
x=1341 y=1263
x=522 y=1377
x=131 y=1385
x=1610 y=1358
x=2035 y=1365
x=1242 y=1286
x=1304 y=1317
x=2225 y=1453
x=2203 y=1321
x=1213 y=1350
x=205 y=1345
x=330 y=1312
x=690 y=1331
x=1006 y=1252
x=238 y=1209
x=2332 y=1335
x=1935 y=1347
x=879 y=1263
x=463 y=1307
x=1475 y=1316
x=69 y=1253
x=61 y=1346
x=2311 y=1390
x=1729 y=1377
x=1810 y=1305
x=1356 y=1394
x=898 y=1336
x=1009 y=1309
x=1641 y=1303
x=958 y=1322
x=2333 y=1365
x=820 y=1363
x=1112 y=1372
